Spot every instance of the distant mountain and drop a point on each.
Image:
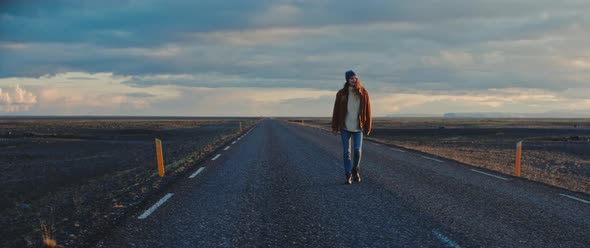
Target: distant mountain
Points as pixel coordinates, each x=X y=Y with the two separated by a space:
x=549 y=114
x=412 y=115
x=485 y=115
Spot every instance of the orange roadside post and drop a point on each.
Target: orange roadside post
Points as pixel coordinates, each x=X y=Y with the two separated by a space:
x=160 y=157
x=518 y=156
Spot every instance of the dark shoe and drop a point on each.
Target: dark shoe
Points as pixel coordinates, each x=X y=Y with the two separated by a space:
x=355 y=166
x=356 y=175
x=348 y=178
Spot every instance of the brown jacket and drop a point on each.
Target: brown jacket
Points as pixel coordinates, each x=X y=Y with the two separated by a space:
x=340 y=110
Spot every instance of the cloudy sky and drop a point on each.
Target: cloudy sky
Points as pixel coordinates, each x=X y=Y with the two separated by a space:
x=288 y=58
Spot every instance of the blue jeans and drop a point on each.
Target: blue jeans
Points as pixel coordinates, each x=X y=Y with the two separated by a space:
x=357 y=141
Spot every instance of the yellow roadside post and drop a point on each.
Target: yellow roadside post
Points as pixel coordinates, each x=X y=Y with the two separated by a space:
x=518 y=156
x=160 y=157
x=302 y=122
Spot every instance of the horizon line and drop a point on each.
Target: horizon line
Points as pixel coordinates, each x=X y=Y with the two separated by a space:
x=218 y=117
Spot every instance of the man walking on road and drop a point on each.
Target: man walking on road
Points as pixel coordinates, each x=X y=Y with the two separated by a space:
x=352 y=117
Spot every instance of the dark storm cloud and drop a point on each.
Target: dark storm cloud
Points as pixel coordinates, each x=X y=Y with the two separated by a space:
x=432 y=44
x=140 y=94
x=151 y=23
x=118 y=23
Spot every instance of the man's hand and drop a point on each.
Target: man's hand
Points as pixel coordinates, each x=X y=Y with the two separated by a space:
x=335 y=132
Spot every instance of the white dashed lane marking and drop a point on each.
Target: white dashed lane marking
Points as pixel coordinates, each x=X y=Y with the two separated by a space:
x=197 y=172
x=488 y=174
x=445 y=240
x=395 y=149
x=575 y=198
x=155 y=206
x=216 y=156
x=433 y=159
x=225 y=149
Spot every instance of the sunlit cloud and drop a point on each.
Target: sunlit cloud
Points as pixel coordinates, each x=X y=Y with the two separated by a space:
x=449 y=58
x=15 y=99
x=79 y=93
x=277 y=13
x=13 y=46
x=492 y=100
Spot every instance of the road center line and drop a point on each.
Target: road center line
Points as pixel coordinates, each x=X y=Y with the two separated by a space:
x=575 y=198
x=445 y=240
x=488 y=174
x=433 y=159
x=155 y=206
x=395 y=149
x=225 y=149
x=197 y=172
x=216 y=156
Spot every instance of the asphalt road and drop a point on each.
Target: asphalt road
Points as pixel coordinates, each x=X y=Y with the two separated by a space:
x=282 y=185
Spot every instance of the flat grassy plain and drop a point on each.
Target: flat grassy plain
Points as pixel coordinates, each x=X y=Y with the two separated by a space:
x=555 y=151
x=79 y=176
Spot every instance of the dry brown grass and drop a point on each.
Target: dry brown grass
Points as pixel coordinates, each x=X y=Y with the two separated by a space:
x=90 y=206
x=47 y=235
x=478 y=154
x=503 y=162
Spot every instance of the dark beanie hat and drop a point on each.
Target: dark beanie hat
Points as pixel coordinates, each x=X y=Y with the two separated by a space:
x=349 y=74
